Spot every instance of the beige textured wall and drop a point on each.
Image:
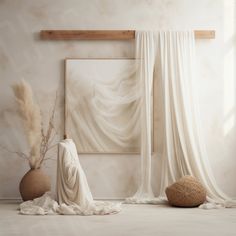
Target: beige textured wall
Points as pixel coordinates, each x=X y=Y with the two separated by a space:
x=23 y=55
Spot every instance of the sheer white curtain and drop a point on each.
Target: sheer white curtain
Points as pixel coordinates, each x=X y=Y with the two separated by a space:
x=183 y=150
x=145 y=58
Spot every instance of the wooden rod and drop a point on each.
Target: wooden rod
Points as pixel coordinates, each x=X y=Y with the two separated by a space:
x=106 y=34
x=204 y=34
x=87 y=34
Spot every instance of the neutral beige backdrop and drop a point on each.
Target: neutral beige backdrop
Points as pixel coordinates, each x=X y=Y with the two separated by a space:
x=24 y=55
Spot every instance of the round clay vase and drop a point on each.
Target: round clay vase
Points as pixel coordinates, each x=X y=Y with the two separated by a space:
x=34 y=184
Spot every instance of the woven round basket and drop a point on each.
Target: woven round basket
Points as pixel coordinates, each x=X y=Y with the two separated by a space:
x=186 y=192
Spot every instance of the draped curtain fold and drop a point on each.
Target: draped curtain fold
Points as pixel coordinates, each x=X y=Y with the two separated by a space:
x=145 y=55
x=173 y=55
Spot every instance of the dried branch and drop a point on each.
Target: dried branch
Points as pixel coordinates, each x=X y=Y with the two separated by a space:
x=20 y=154
x=48 y=138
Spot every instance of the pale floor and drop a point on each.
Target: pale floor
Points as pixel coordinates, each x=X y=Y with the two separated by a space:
x=135 y=220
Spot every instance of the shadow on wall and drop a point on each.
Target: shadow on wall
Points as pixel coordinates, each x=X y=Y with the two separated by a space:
x=228 y=128
x=229 y=104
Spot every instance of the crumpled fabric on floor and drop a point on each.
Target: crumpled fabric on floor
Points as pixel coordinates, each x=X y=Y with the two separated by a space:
x=46 y=205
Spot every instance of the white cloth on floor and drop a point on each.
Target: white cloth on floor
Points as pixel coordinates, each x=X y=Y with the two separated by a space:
x=44 y=205
x=73 y=193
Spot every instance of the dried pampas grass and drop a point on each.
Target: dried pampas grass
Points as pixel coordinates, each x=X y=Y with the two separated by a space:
x=30 y=113
x=38 y=139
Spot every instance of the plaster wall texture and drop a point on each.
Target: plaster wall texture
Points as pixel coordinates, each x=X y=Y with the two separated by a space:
x=24 y=56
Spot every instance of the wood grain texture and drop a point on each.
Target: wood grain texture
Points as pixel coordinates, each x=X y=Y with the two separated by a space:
x=106 y=34
x=87 y=34
x=204 y=34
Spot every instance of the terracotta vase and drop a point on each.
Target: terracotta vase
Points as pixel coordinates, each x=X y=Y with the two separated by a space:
x=34 y=184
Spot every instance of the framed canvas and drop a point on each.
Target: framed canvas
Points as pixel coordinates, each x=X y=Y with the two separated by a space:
x=101 y=110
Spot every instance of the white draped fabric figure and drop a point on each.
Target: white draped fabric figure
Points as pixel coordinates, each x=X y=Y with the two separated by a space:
x=72 y=186
x=183 y=150
x=73 y=191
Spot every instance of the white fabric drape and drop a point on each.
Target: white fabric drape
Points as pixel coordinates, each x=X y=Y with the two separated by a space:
x=73 y=192
x=145 y=58
x=183 y=150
